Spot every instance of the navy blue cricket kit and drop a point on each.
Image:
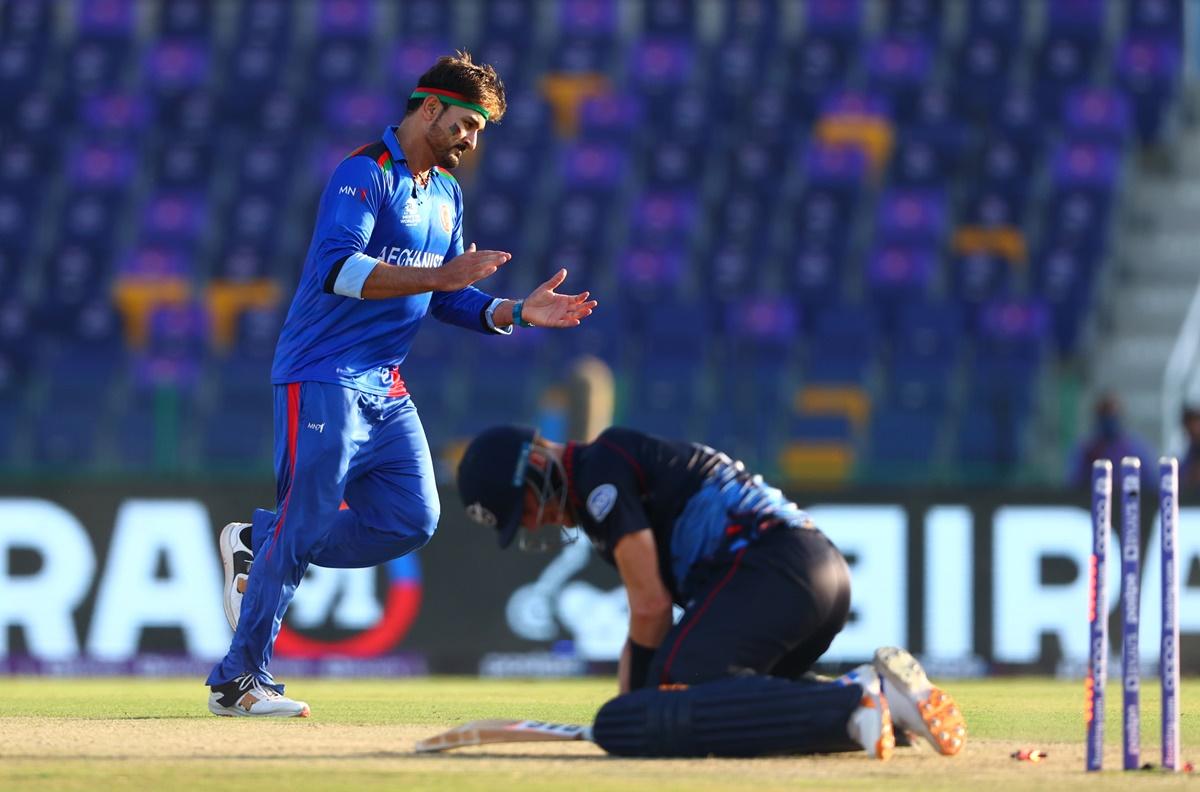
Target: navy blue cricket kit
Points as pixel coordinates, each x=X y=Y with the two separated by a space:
x=346 y=429
x=763 y=591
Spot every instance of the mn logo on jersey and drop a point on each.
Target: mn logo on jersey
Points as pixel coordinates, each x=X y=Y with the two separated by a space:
x=447 y=218
x=601 y=501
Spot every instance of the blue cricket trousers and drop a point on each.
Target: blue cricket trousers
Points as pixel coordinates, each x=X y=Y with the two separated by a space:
x=332 y=444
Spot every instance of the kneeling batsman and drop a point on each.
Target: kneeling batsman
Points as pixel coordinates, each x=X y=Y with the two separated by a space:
x=763 y=592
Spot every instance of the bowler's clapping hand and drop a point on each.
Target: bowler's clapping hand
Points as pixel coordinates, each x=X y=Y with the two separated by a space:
x=473 y=265
x=546 y=308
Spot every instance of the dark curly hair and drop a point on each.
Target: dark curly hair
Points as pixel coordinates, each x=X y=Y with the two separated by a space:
x=476 y=81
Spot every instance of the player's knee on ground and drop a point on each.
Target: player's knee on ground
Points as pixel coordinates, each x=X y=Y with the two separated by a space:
x=739 y=716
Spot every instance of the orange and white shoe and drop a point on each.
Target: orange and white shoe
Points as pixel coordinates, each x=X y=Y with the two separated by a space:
x=871 y=722
x=917 y=706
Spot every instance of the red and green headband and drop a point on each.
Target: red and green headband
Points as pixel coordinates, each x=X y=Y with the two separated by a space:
x=450 y=97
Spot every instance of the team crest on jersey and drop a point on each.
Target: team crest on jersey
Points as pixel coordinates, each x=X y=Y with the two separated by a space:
x=601 y=501
x=447 y=218
x=481 y=514
x=411 y=214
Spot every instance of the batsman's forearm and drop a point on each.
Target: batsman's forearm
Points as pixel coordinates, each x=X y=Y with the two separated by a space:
x=649 y=627
x=388 y=280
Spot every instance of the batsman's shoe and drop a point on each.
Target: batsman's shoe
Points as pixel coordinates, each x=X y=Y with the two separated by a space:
x=247 y=697
x=918 y=706
x=237 y=557
x=871 y=722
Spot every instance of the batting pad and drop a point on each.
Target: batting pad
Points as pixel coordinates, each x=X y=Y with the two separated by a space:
x=740 y=716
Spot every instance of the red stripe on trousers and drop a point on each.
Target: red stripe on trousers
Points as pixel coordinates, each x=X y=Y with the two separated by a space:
x=293 y=430
x=737 y=561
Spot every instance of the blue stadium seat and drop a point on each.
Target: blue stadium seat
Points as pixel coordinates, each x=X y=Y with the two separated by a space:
x=1000 y=20
x=982 y=68
x=431 y=18
x=903 y=438
x=989 y=442
x=916 y=19
x=66 y=436
x=21 y=69
x=236 y=438
x=27 y=21
x=1148 y=70
x=264 y=24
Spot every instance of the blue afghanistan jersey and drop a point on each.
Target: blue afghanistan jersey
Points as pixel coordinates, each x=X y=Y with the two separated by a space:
x=373 y=207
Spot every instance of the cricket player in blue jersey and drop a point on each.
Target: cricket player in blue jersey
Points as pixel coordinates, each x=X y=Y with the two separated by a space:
x=386 y=250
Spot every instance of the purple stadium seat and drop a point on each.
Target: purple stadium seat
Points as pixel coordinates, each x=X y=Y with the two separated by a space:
x=587 y=18
x=1086 y=166
x=106 y=18
x=661 y=214
x=346 y=19
x=1099 y=116
x=840 y=19
x=593 y=166
x=172 y=66
x=771 y=319
x=610 y=117
x=918 y=19
x=155 y=262
x=912 y=217
x=122 y=116
x=409 y=59
x=176 y=217
x=359 y=112
x=899 y=274
x=1014 y=324
x=176 y=347
x=1148 y=71
x=1000 y=20
x=648 y=272
x=660 y=65
x=840 y=169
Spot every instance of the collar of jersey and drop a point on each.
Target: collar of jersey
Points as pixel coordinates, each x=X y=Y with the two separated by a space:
x=393 y=146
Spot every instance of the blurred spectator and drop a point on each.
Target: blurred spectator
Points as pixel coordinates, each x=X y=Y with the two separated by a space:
x=1189 y=464
x=1110 y=440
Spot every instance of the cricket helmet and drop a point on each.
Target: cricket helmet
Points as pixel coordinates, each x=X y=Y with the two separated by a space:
x=491 y=478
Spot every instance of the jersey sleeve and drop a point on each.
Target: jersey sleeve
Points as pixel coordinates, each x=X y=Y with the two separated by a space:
x=465 y=307
x=612 y=497
x=353 y=198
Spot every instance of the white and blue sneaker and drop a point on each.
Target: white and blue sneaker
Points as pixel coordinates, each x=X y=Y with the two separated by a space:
x=870 y=724
x=917 y=706
x=247 y=697
x=236 y=557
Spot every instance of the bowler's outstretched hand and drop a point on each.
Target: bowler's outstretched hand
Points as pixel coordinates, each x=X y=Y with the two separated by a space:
x=546 y=308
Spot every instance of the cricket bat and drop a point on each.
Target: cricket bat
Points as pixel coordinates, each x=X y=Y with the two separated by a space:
x=487 y=732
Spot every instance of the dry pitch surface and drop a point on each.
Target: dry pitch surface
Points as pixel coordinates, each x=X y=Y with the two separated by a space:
x=69 y=734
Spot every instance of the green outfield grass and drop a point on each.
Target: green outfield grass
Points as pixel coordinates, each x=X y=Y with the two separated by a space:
x=74 y=734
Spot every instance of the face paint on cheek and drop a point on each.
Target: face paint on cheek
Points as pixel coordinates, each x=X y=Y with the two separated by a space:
x=454 y=130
